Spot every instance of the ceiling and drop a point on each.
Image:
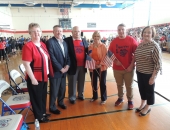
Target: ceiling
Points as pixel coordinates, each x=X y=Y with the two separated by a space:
x=68 y=3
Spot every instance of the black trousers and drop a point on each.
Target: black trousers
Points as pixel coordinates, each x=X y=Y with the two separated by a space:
x=146 y=91
x=57 y=90
x=2 y=53
x=38 y=96
x=102 y=79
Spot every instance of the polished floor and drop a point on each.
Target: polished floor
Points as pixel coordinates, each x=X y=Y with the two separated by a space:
x=86 y=115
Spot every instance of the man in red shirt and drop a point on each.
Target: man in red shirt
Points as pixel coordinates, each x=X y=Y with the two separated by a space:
x=77 y=49
x=123 y=48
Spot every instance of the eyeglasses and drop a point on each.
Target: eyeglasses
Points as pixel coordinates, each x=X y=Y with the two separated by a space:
x=38 y=31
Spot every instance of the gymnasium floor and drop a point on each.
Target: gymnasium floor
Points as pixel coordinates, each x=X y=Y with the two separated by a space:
x=86 y=115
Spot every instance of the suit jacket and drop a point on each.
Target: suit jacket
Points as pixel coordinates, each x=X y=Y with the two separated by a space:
x=57 y=57
x=71 y=51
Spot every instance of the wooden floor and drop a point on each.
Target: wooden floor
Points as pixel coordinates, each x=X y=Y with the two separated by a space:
x=86 y=115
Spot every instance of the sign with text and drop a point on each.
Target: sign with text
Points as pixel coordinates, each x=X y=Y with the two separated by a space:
x=91 y=25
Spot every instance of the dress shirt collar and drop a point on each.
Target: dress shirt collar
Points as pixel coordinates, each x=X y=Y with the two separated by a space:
x=60 y=40
x=77 y=39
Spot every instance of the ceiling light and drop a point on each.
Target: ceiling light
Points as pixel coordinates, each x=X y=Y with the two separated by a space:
x=76 y=3
x=29 y=3
x=110 y=4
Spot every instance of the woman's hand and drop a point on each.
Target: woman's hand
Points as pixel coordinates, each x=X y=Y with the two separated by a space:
x=98 y=66
x=152 y=80
x=34 y=81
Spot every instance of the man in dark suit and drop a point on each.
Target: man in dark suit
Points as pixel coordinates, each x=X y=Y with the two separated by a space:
x=77 y=49
x=58 y=51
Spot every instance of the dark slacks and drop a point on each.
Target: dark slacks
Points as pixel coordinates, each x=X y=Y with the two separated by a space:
x=38 y=96
x=57 y=91
x=146 y=91
x=2 y=54
x=102 y=79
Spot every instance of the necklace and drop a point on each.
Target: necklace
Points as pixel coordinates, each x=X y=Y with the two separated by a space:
x=95 y=45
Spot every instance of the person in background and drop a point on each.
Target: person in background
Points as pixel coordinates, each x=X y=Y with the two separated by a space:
x=21 y=42
x=77 y=49
x=58 y=51
x=148 y=63
x=98 y=51
x=157 y=38
x=38 y=66
x=123 y=47
x=2 y=50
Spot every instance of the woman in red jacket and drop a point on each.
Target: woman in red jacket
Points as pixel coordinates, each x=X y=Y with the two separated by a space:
x=38 y=66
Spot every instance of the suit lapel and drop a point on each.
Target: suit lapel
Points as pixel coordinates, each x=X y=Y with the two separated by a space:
x=56 y=42
x=72 y=46
x=65 y=49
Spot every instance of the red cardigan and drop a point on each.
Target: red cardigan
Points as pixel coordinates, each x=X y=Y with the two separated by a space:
x=31 y=52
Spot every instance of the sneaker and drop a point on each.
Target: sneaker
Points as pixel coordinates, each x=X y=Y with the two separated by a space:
x=130 y=105
x=103 y=102
x=119 y=101
x=92 y=100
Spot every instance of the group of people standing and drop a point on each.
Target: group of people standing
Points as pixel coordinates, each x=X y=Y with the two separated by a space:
x=61 y=57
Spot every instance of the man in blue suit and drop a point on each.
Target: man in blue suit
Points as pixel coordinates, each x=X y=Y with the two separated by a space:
x=58 y=51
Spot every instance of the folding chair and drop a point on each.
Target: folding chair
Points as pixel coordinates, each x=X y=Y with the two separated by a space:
x=20 y=87
x=22 y=69
x=14 y=102
x=12 y=122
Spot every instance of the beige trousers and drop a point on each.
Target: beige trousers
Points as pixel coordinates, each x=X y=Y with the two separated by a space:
x=121 y=77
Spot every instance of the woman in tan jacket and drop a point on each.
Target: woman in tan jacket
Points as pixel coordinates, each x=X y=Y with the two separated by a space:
x=98 y=51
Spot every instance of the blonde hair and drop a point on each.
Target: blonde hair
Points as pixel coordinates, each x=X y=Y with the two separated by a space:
x=96 y=32
x=31 y=25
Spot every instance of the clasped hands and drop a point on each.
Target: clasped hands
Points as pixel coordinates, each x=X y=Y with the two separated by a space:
x=118 y=63
x=97 y=66
x=65 y=69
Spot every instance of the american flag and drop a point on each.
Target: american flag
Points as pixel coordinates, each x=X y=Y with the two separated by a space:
x=64 y=11
x=108 y=59
x=90 y=63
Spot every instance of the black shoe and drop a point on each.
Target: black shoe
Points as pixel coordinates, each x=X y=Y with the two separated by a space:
x=55 y=111
x=141 y=114
x=44 y=120
x=63 y=106
x=138 y=110
x=81 y=98
x=46 y=115
x=72 y=101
